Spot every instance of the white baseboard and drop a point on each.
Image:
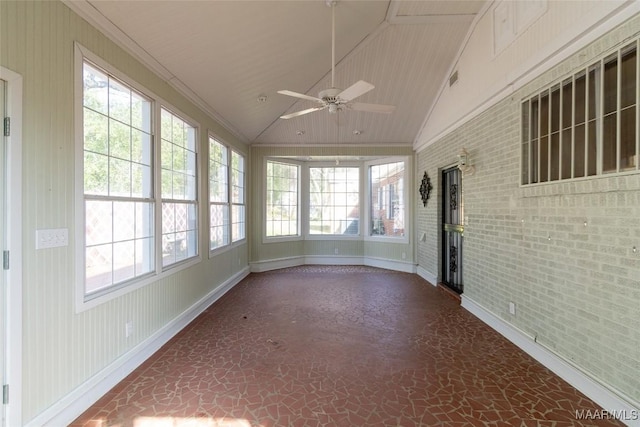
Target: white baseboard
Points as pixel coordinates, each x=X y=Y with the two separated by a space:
x=426 y=275
x=274 y=264
x=268 y=265
x=613 y=402
x=70 y=407
x=333 y=260
x=404 y=266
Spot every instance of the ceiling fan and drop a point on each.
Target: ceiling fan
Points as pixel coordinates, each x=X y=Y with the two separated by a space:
x=335 y=99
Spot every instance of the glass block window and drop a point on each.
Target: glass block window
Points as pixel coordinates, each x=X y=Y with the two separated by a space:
x=334 y=200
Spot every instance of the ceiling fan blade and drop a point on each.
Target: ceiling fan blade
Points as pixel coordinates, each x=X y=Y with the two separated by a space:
x=302 y=112
x=355 y=90
x=372 y=108
x=299 y=95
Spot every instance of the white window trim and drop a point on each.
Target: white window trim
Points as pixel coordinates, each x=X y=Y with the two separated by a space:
x=82 y=303
x=405 y=200
x=301 y=172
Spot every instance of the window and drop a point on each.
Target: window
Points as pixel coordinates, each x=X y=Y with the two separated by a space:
x=179 y=199
x=118 y=172
x=282 y=199
x=334 y=200
x=218 y=195
x=226 y=195
x=387 y=211
x=238 y=231
x=585 y=126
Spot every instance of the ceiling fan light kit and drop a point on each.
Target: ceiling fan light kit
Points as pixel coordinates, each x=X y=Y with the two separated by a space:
x=335 y=99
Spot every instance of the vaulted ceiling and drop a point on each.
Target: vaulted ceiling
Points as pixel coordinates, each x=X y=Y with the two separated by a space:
x=231 y=58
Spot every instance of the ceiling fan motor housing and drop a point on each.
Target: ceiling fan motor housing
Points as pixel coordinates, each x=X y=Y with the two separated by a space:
x=330 y=95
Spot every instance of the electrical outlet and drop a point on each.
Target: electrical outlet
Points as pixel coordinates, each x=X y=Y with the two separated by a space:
x=404 y=255
x=52 y=238
x=128 y=329
x=512 y=308
x=336 y=251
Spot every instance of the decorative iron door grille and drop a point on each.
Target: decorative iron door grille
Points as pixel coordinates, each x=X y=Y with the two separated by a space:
x=452 y=229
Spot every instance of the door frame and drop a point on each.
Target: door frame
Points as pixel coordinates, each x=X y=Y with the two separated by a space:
x=13 y=309
x=441 y=225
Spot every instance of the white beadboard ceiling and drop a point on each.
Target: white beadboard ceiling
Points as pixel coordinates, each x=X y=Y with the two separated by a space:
x=226 y=54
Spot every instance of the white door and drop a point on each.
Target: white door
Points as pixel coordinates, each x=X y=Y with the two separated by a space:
x=3 y=243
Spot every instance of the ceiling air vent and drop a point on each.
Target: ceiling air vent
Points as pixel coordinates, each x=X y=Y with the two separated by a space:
x=453 y=78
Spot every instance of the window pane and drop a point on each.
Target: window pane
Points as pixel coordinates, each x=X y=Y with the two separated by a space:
x=581 y=96
x=95 y=89
x=282 y=199
x=218 y=172
x=579 y=159
x=119 y=140
x=566 y=154
x=119 y=102
x=567 y=104
x=592 y=149
x=124 y=221
x=628 y=78
x=237 y=178
x=610 y=86
x=119 y=178
x=534 y=161
x=554 y=157
x=98 y=267
x=140 y=113
x=594 y=86
x=238 y=222
x=628 y=138
x=609 y=143
x=535 y=118
x=219 y=229
x=334 y=200
x=96 y=132
x=96 y=174
x=386 y=185
x=544 y=159
x=544 y=115
x=525 y=164
x=555 y=109
x=98 y=222
x=177 y=220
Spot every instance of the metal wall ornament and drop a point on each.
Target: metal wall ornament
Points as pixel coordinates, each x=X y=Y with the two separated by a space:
x=425 y=188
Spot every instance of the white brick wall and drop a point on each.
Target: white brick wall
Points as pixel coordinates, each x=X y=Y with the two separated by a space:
x=576 y=286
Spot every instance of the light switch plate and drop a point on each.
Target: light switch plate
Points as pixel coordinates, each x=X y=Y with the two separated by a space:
x=52 y=238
